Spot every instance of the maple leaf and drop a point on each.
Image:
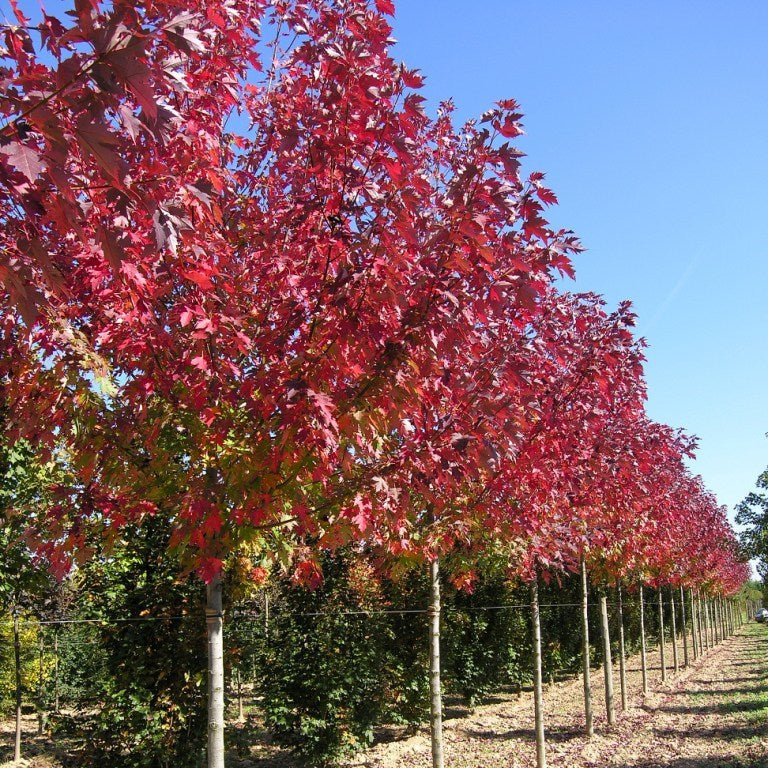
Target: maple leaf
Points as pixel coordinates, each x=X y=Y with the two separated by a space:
x=99 y=143
x=23 y=158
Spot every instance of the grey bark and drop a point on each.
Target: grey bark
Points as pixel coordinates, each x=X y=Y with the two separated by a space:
x=538 y=695
x=675 y=662
x=214 y=626
x=585 y=652
x=696 y=648
x=685 y=626
x=607 y=664
x=643 y=653
x=56 y=671
x=239 y=695
x=40 y=703
x=622 y=650
x=662 y=641
x=435 y=689
x=17 y=664
x=705 y=621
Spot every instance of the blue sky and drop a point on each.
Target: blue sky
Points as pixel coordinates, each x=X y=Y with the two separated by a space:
x=651 y=122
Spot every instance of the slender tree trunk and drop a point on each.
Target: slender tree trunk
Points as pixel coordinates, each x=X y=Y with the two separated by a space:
x=700 y=626
x=715 y=621
x=643 y=654
x=17 y=665
x=662 y=641
x=266 y=616
x=723 y=619
x=694 y=615
x=607 y=663
x=706 y=623
x=538 y=696
x=435 y=689
x=675 y=662
x=214 y=622
x=685 y=627
x=240 y=715
x=56 y=671
x=40 y=703
x=622 y=650
x=585 y=652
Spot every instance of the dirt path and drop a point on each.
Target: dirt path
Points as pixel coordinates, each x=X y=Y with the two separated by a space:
x=712 y=715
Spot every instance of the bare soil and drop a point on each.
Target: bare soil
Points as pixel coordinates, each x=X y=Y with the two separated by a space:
x=713 y=714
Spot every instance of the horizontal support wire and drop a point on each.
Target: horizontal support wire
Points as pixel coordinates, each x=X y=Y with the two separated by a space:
x=628 y=604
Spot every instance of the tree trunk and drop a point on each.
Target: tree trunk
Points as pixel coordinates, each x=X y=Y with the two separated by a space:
x=17 y=665
x=585 y=652
x=662 y=646
x=700 y=625
x=643 y=654
x=56 y=671
x=685 y=627
x=435 y=692
x=723 y=619
x=240 y=715
x=622 y=650
x=706 y=624
x=694 y=615
x=675 y=663
x=607 y=664
x=214 y=621
x=538 y=696
x=40 y=703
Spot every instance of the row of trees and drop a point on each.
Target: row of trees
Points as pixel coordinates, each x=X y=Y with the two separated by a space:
x=256 y=297
x=321 y=668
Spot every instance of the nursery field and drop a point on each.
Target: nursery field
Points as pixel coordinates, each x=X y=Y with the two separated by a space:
x=712 y=715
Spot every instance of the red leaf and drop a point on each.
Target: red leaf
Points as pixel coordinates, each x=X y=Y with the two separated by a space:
x=97 y=141
x=24 y=159
x=386 y=6
x=412 y=78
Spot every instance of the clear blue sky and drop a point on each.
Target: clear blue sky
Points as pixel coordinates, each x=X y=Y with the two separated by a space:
x=651 y=122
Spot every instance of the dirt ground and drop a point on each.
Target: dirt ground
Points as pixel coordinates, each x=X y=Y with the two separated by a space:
x=714 y=714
